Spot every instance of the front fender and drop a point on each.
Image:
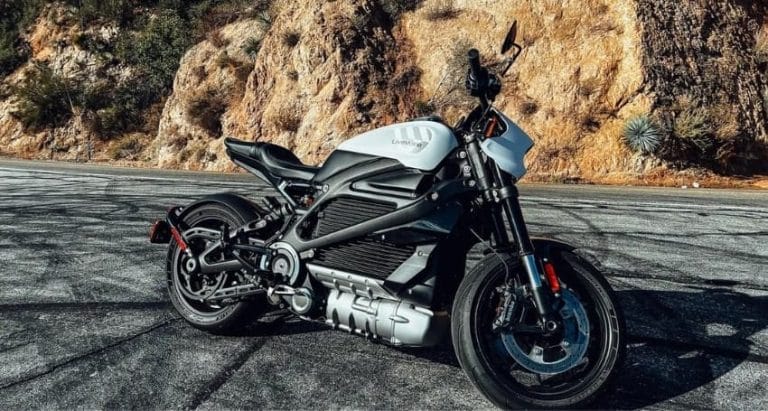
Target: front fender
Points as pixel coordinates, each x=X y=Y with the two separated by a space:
x=549 y=247
x=553 y=250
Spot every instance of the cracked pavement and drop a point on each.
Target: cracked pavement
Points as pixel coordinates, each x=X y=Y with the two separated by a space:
x=85 y=321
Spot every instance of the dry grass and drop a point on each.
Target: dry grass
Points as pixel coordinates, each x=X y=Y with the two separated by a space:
x=725 y=122
x=291 y=38
x=423 y=108
x=217 y=39
x=692 y=125
x=589 y=87
x=761 y=47
x=127 y=148
x=206 y=109
x=225 y=60
x=440 y=10
x=451 y=95
x=528 y=107
x=288 y=119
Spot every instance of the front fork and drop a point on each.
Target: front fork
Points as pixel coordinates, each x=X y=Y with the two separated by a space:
x=499 y=190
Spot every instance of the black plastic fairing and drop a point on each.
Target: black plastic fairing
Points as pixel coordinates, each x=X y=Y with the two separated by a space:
x=339 y=161
x=407 y=183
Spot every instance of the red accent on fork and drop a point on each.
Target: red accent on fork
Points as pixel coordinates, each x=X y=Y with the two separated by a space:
x=554 y=283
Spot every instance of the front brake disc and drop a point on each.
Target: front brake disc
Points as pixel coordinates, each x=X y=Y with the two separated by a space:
x=547 y=359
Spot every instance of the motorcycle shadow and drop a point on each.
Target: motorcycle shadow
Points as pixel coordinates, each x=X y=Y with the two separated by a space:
x=680 y=344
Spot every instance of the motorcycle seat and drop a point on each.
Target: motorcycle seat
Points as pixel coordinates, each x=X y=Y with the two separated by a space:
x=275 y=162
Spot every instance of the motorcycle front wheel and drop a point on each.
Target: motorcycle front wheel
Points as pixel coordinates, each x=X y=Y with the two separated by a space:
x=516 y=368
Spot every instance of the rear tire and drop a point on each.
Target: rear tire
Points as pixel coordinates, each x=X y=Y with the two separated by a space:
x=215 y=319
x=498 y=377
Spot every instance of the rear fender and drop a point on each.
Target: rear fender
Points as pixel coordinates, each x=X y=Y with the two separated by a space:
x=235 y=202
x=238 y=204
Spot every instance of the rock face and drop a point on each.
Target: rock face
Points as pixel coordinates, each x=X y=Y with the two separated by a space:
x=327 y=71
x=704 y=51
x=579 y=76
x=321 y=72
x=52 y=41
x=210 y=82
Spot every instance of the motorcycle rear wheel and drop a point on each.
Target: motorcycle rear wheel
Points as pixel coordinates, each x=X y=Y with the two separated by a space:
x=495 y=372
x=210 y=317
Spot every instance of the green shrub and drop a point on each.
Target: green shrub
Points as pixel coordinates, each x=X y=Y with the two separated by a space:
x=89 y=11
x=207 y=15
x=10 y=58
x=251 y=47
x=95 y=44
x=46 y=99
x=642 y=134
x=397 y=7
x=14 y=17
x=157 y=49
x=125 y=107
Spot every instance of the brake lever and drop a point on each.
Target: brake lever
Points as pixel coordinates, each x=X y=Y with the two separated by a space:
x=511 y=60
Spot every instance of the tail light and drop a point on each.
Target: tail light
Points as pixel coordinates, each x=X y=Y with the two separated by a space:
x=160 y=232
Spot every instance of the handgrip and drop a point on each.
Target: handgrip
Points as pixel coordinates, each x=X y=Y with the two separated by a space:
x=474 y=63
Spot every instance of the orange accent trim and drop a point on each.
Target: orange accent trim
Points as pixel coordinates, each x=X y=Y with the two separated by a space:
x=491 y=127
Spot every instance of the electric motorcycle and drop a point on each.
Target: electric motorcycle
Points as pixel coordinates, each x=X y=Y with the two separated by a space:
x=375 y=243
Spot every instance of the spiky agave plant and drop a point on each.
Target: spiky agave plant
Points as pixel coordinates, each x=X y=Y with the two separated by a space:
x=642 y=134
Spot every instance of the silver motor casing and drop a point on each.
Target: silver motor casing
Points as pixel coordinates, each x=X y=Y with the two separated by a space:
x=360 y=305
x=394 y=322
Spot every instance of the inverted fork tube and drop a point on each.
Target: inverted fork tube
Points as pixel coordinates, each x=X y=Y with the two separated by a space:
x=508 y=195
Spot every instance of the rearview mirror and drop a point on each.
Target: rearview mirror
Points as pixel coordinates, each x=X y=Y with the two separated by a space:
x=509 y=41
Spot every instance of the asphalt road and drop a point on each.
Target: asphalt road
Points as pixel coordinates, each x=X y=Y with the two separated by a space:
x=85 y=321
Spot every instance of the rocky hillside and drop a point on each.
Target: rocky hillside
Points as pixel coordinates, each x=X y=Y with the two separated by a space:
x=611 y=91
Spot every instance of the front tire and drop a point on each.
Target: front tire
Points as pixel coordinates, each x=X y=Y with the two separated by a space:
x=495 y=372
x=213 y=318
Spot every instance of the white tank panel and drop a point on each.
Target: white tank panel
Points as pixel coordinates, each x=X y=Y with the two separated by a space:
x=416 y=144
